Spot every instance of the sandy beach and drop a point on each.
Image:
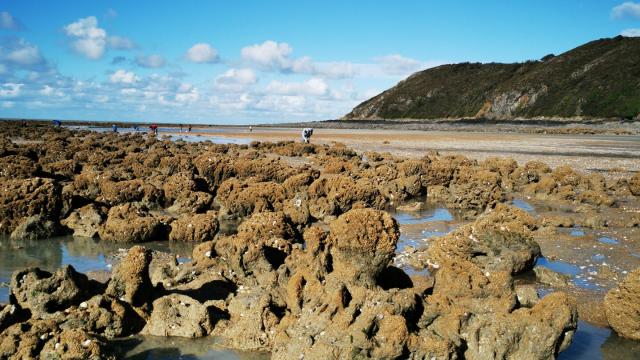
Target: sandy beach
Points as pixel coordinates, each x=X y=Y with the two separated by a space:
x=614 y=155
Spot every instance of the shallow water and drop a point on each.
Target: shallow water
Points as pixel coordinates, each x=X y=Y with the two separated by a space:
x=522 y=204
x=161 y=348
x=174 y=134
x=82 y=253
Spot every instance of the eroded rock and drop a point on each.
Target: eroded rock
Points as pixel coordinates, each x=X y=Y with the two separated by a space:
x=622 y=306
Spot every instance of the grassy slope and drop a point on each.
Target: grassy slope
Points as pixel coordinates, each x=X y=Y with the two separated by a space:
x=598 y=79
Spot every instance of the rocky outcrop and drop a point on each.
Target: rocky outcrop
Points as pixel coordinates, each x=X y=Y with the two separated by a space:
x=195 y=228
x=622 y=306
x=85 y=221
x=131 y=223
x=130 y=281
x=34 y=338
x=363 y=242
x=178 y=315
x=34 y=228
x=500 y=240
x=29 y=197
x=44 y=293
x=634 y=184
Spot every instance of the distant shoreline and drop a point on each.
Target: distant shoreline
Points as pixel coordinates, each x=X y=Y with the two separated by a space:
x=610 y=126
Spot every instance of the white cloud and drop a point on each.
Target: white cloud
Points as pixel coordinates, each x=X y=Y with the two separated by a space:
x=626 y=10
x=8 y=22
x=10 y=90
x=231 y=104
x=398 y=65
x=121 y=43
x=123 y=77
x=631 y=33
x=236 y=79
x=48 y=90
x=151 y=61
x=335 y=70
x=313 y=86
x=87 y=38
x=269 y=54
x=24 y=54
x=202 y=53
x=288 y=104
x=187 y=94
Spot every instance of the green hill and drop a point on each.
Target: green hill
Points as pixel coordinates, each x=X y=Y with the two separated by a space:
x=600 y=79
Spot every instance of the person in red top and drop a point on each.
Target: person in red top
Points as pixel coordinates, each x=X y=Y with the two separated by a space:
x=154 y=129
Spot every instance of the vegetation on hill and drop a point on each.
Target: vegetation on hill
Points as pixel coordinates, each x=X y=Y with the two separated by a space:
x=599 y=79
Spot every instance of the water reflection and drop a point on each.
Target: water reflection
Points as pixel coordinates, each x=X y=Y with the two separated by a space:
x=427 y=215
x=594 y=343
x=83 y=254
x=161 y=348
x=520 y=203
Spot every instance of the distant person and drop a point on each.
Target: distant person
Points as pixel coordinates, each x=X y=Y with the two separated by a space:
x=189 y=128
x=114 y=128
x=56 y=123
x=306 y=135
x=250 y=128
x=154 y=129
x=135 y=128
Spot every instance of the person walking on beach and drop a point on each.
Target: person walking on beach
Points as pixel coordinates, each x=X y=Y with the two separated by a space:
x=56 y=123
x=189 y=128
x=114 y=127
x=306 y=135
x=250 y=128
x=154 y=129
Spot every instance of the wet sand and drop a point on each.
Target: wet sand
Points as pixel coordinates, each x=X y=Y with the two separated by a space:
x=613 y=155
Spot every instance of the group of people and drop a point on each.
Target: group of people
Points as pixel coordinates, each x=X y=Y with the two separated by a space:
x=153 y=128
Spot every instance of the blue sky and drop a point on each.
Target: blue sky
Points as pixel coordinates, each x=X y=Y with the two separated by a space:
x=263 y=61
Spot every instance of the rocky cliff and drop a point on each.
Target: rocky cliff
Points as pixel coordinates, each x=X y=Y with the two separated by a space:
x=600 y=79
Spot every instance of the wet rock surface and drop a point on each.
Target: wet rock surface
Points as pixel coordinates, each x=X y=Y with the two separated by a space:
x=622 y=307
x=309 y=268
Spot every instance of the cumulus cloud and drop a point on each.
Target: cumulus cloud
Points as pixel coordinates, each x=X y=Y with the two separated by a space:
x=187 y=94
x=236 y=79
x=10 y=90
x=202 y=53
x=271 y=55
x=121 y=43
x=313 y=86
x=87 y=38
x=123 y=77
x=18 y=54
x=631 y=33
x=25 y=54
x=9 y=22
x=48 y=90
x=626 y=10
x=151 y=61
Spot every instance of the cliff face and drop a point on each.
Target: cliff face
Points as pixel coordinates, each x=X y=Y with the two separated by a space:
x=599 y=79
